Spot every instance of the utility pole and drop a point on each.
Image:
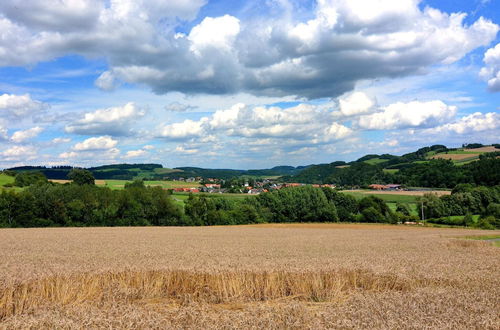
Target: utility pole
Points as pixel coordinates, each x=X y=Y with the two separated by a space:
x=422 y=208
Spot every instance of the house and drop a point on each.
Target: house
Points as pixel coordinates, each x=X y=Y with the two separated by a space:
x=393 y=186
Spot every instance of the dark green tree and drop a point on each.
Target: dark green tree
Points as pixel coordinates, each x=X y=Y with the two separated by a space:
x=81 y=176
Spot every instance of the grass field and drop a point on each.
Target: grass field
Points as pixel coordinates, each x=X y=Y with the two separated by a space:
x=394 y=196
x=375 y=161
x=462 y=156
x=261 y=276
x=5 y=179
x=120 y=184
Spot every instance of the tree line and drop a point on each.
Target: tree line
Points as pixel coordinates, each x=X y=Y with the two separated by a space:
x=81 y=203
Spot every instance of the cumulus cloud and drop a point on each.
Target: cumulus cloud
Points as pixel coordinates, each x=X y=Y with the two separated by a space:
x=356 y=103
x=19 y=106
x=138 y=153
x=18 y=153
x=68 y=154
x=476 y=122
x=186 y=129
x=112 y=121
x=96 y=143
x=302 y=122
x=403 y=115
x=218 y=33
x=135 y=153
x=340 y=44
x=21 y=136
x=491 y=72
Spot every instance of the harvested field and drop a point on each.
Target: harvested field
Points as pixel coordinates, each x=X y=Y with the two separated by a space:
x=59 y=181
x=483 y=149
x=97 y=182
x=456 y=156
x=259 y=276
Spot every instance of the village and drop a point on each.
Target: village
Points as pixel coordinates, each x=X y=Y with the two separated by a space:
x=256 y=186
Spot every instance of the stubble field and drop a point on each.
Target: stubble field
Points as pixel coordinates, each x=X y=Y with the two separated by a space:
x=263 y=276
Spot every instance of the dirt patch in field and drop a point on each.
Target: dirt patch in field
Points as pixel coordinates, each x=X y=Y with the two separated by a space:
x=60 y=181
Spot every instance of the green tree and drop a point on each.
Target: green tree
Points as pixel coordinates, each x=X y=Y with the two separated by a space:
x=24 y=179
x=81 y=176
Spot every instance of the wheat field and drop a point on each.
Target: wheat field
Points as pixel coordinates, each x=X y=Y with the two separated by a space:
x=339 y=276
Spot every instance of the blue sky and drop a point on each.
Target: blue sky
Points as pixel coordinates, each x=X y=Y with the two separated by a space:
x=239 y=84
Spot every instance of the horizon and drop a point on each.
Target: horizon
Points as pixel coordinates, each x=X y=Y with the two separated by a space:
x=223 y=168
x=238 y=85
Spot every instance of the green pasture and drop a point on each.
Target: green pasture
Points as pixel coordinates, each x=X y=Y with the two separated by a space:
x=120 y=184
x=6 y=179
x=389 y=198
x=375 y=161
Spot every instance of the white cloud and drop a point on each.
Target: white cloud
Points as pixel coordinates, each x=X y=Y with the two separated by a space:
x=106 y=81
x=355 y=104
x=413 y=114
x=61 y=140
x=19 y=153
x=491 y=72
x=186 y=129
x=476 y=122
x=342 y=43
x=19 y=106
x=112 y=121
x=299 y=123
x=21 y=136
x=96 y=143
x=182 y=150
x=69 y=154
x=135 y=153
x=218 y=33
x=138 y=153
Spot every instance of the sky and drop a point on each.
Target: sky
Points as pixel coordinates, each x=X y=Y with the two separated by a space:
x=244 y=84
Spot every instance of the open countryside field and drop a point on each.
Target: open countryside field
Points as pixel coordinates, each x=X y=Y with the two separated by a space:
x=120 y=184
x=5 y=179
x=395 y=195
x=260 y=276
x=462 y=156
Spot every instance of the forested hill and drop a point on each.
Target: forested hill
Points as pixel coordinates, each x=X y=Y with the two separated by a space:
x=115 y=171
x=157 y=172
x=434 y=166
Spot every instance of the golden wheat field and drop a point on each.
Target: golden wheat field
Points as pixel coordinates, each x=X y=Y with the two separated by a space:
x=263 y=276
